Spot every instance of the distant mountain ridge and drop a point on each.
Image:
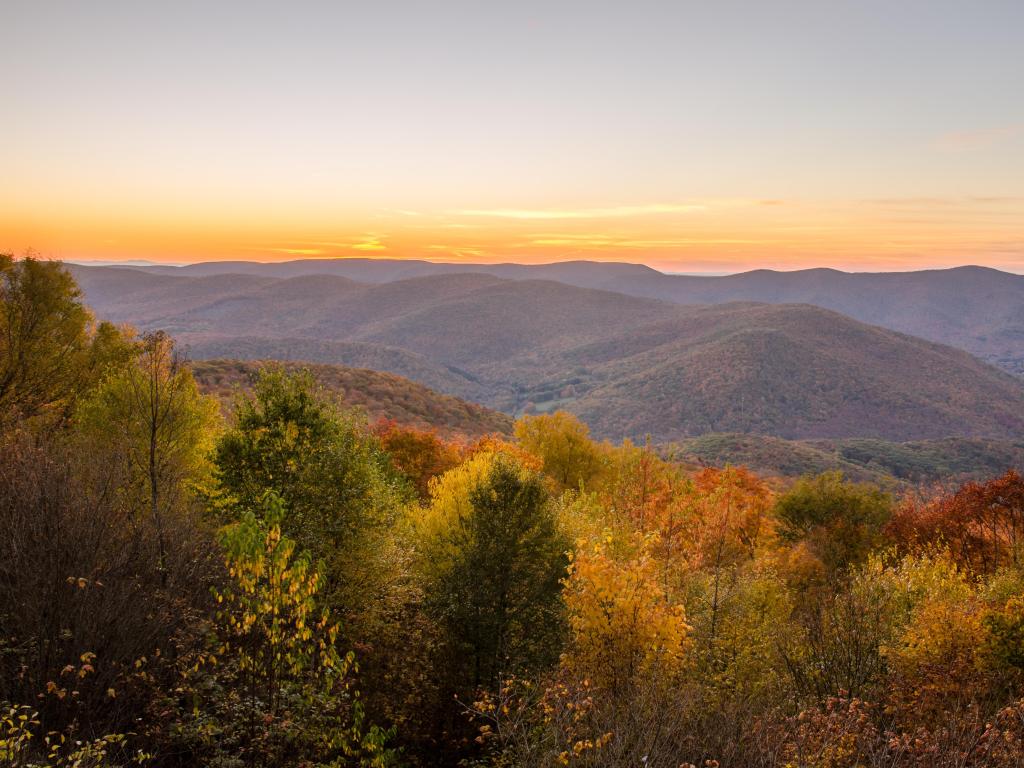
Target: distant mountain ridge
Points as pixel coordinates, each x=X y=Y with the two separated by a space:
x=630 y=366
x=977 y=309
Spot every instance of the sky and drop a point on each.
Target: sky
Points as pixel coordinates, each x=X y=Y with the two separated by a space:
x=711 y=136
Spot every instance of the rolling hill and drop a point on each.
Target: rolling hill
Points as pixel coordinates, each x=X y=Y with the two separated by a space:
x=381 y=395
x=949 y=461
x=977 y=309
x=629 y=366
x=794 y=371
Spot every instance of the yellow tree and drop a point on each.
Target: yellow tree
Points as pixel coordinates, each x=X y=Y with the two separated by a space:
x=562 y=442
x=300 y=702
x=623 y=624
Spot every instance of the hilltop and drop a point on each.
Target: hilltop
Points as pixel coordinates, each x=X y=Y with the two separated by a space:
x=381 y=395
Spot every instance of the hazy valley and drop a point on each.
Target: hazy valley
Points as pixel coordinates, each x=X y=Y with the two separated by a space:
x=762 y=355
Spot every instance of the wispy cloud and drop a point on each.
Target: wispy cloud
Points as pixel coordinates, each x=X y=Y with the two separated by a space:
x=982 y=138
x=457 y=250
x=583 y=213
x=601 y=241
x=295 y=251
x=370 y=242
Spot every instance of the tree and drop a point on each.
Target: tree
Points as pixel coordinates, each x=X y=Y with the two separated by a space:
x=982 y=523
x=334 y=481
x=51 y=349
x=563 y=443
x=419 y=455
x=624 y=627
x=841 y=522
x=152 y=416
x=279 y=692
x=494 y=557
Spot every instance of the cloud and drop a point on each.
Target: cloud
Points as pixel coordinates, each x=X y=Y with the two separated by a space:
x=370 y=243
x=599 y=241
x=583 y=213
x=461 y=252
x=295 y=251
x=962 y=141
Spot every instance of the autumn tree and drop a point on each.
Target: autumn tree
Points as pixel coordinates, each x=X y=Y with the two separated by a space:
x=839 y=521
x=419 y=455
x=981 y=523
x=51 y=349
x=624 y=626
x=493 y=558
x=563 y=444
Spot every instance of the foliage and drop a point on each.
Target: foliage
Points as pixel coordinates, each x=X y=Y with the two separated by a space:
x=51 y=349
x=150 y=416
x=622 y=624
x=419 y=455
x=982 y=523
x=562 y=443
x=293 y=690
x=493 y=559
x=19 y=726
x=338 y=489
x=841 y=522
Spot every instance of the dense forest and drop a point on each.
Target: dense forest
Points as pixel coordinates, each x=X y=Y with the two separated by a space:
x=286 y=582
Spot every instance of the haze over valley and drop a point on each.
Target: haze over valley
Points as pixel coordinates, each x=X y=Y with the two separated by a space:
x=761 y=352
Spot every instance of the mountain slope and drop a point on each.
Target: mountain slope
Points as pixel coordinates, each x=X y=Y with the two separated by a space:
x=381 y=395
x=629 y=366
x=949 y=461
x=977 y=309
x=791 y=371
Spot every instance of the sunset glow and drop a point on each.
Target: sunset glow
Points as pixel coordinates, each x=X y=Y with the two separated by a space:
x=478 y=132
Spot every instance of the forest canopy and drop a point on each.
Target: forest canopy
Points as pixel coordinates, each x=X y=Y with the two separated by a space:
x=286 y=583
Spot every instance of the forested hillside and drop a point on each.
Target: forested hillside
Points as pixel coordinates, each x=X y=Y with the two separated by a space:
x=383 y=396
x=627 y=366
x=948 y=461
x=283 y=583
x=977 y=309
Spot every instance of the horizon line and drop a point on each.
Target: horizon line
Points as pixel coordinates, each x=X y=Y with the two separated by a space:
x=144 y=263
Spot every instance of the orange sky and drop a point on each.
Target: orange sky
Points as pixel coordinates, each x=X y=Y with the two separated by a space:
x=696 y=235
x=690 y=136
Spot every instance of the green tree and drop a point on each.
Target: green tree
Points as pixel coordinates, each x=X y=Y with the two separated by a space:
x=51 y=349
x=840 y=521
x=295 y=695
x=496 y=571
x=339 y=490
x=152 y=416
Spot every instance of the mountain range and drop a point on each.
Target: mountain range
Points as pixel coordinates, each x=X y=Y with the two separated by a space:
x=629 y=365
x=977 y=309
